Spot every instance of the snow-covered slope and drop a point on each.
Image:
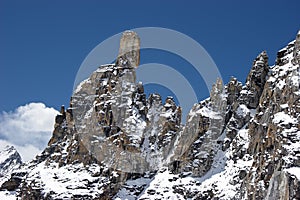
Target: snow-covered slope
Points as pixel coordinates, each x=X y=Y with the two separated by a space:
x=9 y=159
x=243 y=142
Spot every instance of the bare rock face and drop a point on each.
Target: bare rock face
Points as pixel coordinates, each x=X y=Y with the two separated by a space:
x=274 y=131
x=296 y=51
x=110 y=124
x=206 y=122
x=129 y=49
x=283 y=186
x=255 y=81
x=233 y=88
x=240 y=143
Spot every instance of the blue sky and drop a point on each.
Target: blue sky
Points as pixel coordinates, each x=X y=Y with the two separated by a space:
x=43 y=43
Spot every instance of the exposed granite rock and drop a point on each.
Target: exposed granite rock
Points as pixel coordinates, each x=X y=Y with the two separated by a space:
x=283 y=186
x=198 y=142
x=233 y=89
x=296 y=50
x=255 y=81
x=240 y=143
x=274 y=131
x=129 y=49
x=11 y=184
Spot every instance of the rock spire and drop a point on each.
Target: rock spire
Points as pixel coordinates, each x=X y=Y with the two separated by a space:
x=129 y=49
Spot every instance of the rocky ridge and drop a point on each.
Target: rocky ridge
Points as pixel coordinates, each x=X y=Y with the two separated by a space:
x=115 y=143
x=10 y=160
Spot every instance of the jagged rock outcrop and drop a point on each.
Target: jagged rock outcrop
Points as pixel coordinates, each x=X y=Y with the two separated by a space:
x=274 y=130
x=243 y=142
x=110 y=124
x=198 y=142
x=10 y=160
x=255 y=82
x=129 y=49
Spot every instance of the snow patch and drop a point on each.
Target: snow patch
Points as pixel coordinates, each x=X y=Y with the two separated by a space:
x=295 y=171
x=282 y=118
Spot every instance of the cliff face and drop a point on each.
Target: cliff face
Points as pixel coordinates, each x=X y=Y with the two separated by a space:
x=274 y=131
x=115 y=143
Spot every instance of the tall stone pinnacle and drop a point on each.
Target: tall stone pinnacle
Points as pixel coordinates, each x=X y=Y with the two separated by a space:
x=129 y=48
x=296 y=52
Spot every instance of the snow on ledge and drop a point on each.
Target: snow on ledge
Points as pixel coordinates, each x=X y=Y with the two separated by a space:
x=294 y=171
x=283 y=118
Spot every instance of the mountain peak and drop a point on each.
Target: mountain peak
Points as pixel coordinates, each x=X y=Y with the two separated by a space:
x=115 y=143
x=129 y=50
x=9 y=159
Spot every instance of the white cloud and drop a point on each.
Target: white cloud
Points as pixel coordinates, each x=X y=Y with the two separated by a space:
x=28 y=128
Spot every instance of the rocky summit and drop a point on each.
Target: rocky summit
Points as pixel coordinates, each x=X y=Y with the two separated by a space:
x=10 y=160
x=114 y=142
